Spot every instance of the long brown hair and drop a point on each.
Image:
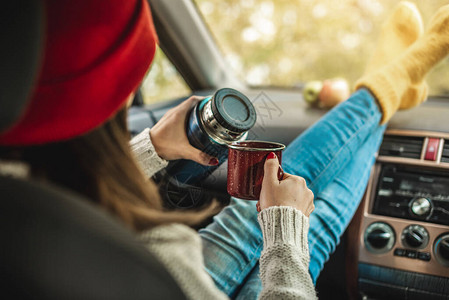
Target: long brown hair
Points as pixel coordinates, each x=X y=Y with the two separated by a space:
x=101 y=166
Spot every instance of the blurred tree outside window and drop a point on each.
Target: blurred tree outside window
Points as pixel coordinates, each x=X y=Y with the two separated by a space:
x=163 y=82
x=287 y=42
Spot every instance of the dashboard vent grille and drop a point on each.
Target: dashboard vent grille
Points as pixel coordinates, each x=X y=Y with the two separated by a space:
x=402 y=146
x=445 y=155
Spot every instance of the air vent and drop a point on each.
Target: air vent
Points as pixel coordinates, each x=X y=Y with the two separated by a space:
x=402 y=146
x=445 y=155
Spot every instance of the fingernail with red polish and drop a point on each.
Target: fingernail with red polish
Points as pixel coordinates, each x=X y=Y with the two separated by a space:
x=213 y=161
x=271 y=155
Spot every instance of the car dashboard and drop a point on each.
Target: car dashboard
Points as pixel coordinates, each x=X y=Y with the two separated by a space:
x=402 y=233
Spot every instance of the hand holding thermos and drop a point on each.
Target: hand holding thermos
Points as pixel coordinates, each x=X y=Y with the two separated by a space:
x=170 y=139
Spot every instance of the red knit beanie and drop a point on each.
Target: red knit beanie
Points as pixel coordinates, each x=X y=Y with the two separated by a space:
x=96 y=53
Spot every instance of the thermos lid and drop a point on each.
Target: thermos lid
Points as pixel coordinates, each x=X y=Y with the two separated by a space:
x=233 y=110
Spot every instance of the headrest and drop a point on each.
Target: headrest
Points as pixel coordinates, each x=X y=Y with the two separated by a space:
x=21 y=32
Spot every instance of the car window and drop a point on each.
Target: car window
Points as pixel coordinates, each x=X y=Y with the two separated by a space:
x=284 y=43
x=163 y=81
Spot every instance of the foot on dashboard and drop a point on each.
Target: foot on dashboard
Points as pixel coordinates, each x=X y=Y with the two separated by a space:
x=400 y=84
x=399 y=31
x=433 y=47
x=403 y=28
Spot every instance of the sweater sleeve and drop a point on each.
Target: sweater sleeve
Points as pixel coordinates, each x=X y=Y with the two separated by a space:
x=284 y=262
x=179 y=248
x=146 y=155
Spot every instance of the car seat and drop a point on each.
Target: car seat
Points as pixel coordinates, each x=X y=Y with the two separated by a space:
x=56 y=244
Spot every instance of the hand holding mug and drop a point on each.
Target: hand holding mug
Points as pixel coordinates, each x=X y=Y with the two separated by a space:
x=291 y=190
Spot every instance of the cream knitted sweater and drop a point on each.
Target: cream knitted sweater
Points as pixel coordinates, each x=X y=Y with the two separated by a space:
x=284 y=262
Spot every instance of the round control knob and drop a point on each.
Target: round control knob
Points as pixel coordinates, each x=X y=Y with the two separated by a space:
x=421 y=207
x=379 y=238
x=441 y=249
x=415 y=236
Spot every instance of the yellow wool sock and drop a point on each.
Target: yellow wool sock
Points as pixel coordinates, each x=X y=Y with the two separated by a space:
x=391 y=84
x=399 y=31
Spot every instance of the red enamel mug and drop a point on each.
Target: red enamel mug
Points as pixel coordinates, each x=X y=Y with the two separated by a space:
x=246 y=161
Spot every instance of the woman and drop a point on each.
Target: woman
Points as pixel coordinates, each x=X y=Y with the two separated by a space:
x=73 y=133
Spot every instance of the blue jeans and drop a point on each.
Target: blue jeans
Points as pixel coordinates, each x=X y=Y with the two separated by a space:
x=335 y=157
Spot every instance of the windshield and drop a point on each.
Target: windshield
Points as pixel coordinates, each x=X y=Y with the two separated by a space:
x=287 y=42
